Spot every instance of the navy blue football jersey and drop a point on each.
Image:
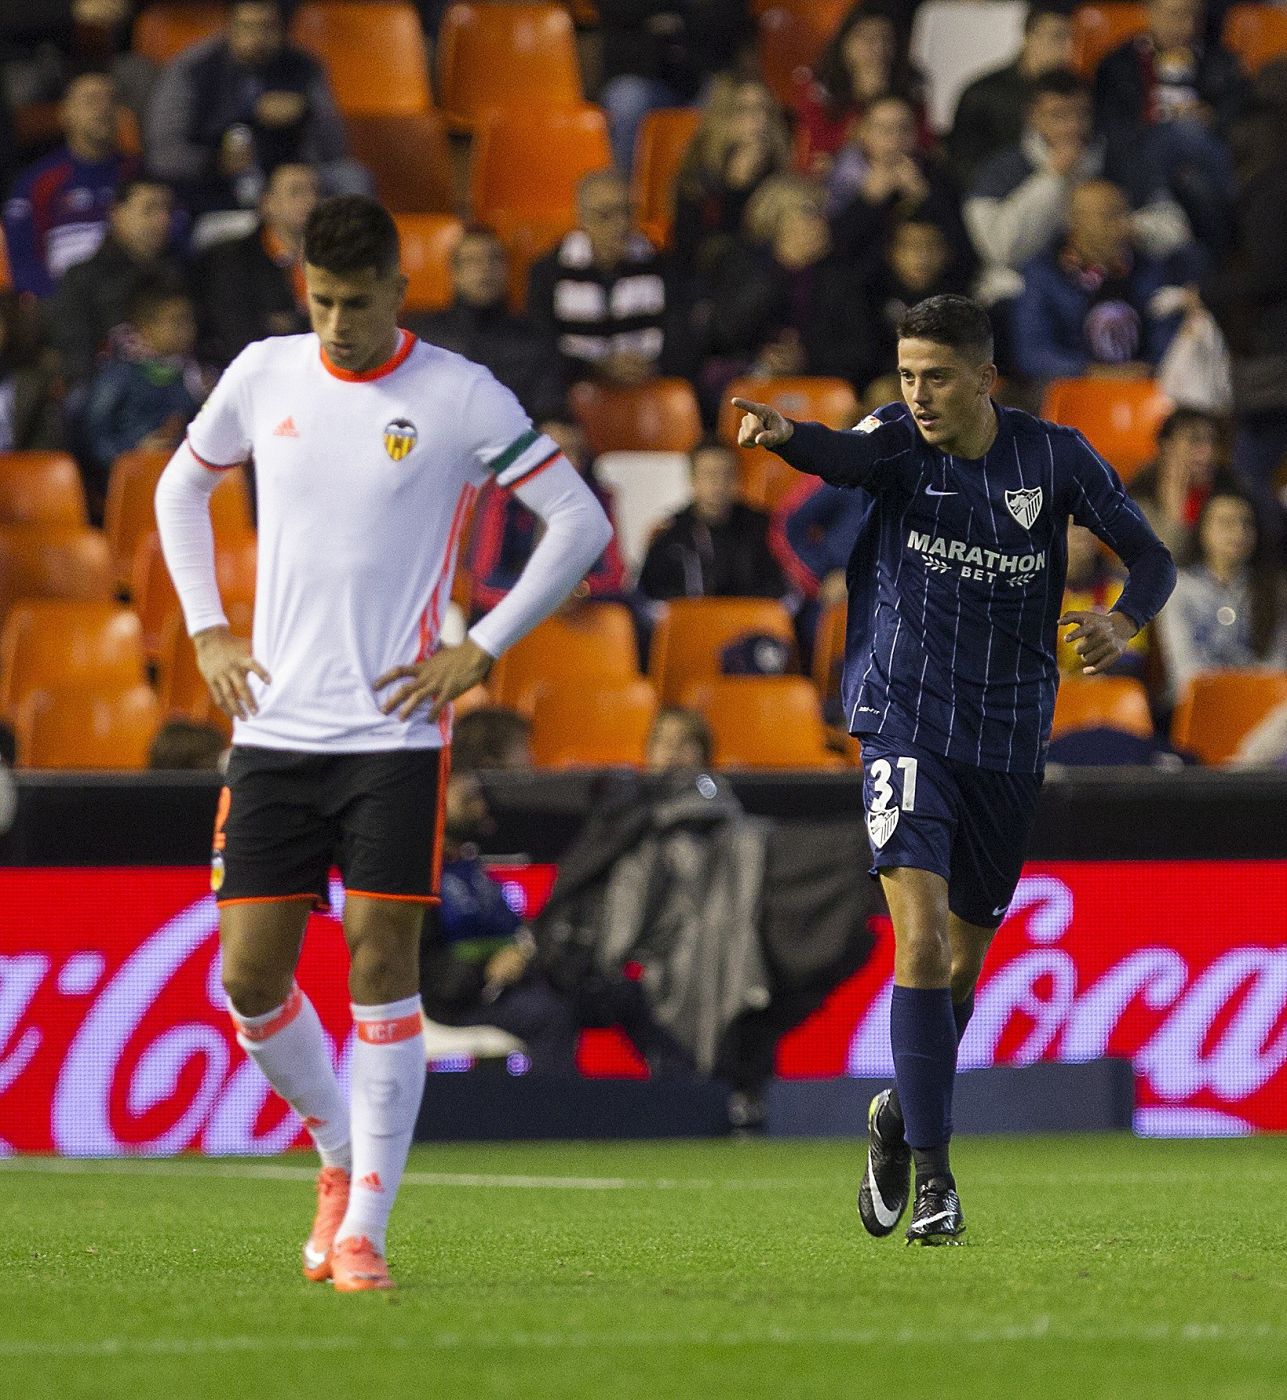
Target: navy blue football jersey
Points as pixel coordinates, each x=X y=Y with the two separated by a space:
x=957 y=577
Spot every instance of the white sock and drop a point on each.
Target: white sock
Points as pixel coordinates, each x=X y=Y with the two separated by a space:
x=388 y=1079
x=288 y=1044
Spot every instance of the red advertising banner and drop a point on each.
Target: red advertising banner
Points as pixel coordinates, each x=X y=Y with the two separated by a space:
x=114 y=1036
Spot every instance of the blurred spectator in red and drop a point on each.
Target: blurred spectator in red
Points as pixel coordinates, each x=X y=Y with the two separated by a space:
x=989 y=114
x=865 y=59
x=253 y=286
x=479 y=325
x=1092 y=585
x=232 y=108
x=56 y=214
x=716 y=547
x=29 y=408
x=1168 y=97
x=1174 y=487
x=92 y=299
x=742 y=140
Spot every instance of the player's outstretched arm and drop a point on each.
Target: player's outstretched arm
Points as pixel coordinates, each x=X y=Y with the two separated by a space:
x=762 y=425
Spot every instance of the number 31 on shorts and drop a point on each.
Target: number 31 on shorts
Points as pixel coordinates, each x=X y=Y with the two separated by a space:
x=882 y=791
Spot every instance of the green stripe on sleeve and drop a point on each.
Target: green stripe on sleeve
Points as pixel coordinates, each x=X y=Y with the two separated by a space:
x=513 y=452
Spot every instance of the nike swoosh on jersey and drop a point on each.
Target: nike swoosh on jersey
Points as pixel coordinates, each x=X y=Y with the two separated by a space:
x=997 y=913
x=930 y=491
x=886 y=1216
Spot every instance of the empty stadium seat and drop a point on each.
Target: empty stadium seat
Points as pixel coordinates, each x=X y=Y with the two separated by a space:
x=374 y=53
x=829 y=650
x=152 y=590
x=647 y=488
x=1120 y=417
x=87 y=728
x=181 y=687
x=528 y=236
x=955 y=41
x=1108 y=702
x=764 y=722
x=526 y=164
x=170 y=26
x=1100 y=28
x=428 y=241
x=659 y=416
x=692 y=633
x=790 y=35
x=1220 y=708
x=520 y=57
x=45 y=644
x=40 y=488
x=54 y=561
x=409 y=158
x=592 y=643
x=599 y=724
x=1256 y=34
x=663 y=137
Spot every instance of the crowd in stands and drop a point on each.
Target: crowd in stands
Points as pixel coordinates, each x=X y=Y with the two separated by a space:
x=1121 y=218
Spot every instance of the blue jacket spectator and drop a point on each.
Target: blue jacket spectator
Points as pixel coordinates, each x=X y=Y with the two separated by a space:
x=820 y=530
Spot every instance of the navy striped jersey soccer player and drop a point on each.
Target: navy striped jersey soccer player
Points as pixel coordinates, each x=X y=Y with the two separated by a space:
x=957 y=577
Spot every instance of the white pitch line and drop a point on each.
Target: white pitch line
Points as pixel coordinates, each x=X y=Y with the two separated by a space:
x=1038 y=1329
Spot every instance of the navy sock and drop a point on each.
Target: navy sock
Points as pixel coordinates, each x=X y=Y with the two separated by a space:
x=891 y=1116
x=961 y=1013
x=922 y=1033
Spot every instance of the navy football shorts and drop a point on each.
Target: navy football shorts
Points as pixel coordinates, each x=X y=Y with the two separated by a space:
x=969 y=825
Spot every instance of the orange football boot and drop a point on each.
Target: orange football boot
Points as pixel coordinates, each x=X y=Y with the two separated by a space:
x=356 y=1267
x=332 y=1202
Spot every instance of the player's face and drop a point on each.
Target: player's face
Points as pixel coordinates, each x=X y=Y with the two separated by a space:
x=947 y=391
x=355 y=315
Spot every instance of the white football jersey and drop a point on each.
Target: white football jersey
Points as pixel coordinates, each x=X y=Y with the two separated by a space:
x=363 y=484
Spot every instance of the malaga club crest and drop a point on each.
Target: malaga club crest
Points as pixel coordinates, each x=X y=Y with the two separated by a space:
x=400 y=437
x=1025 y=506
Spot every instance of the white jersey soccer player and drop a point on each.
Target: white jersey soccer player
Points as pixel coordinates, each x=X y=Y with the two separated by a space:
x=369 y=447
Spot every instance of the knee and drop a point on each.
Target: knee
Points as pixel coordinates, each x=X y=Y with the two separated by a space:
x=924 y=947
x=384 y=959
x=965 y=973
x=253 y=990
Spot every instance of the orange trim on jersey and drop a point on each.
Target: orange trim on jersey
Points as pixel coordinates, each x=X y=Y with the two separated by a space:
x=440 y=820
x=431 y=618
x=405 y=347
x=210 y=466
x=221 y=818
x=390 y=1032
x=541 y=466
x=264 y=899
x=286 y=1013
x=400 y=898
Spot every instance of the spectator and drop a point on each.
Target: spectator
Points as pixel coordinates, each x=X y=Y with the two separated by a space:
x=1174 y=487
x=230 y=109
x=602 y=295
x=505 y=533
x=815 y=531
x=989 y=115
x=1228 y=611
x=479 y=969
x=865 y=59
x=181 y=745
x=29 y=407
x=680 y=740
x=741 y=141
x=1019 y=201
x=56 y=214
x=146 y=395
x=492 y=737
x=1092 y=585
x=656 y=53
x=253 y=286
x=1167 y=97
x=480 y=326
x=716 y=547
x=1085 y=307
x=92 y=299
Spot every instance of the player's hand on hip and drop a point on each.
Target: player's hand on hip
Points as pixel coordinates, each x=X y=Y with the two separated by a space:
x=225 y=663
x=1098 y=638
x=762 y=425
x=437 y=681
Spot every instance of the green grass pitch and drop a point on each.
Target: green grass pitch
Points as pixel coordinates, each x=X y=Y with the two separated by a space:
x=1096 y=1266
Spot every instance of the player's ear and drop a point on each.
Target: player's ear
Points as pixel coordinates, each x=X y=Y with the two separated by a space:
x=988 y=380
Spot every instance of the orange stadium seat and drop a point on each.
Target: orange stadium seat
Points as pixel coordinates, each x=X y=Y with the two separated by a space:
x=1110 y=702
x=519 y=57
x=1256 y=34
x=664 y=136
x=1220 y=708
x=79 y=728
x=527 y=164
x=47 y=643
x=829 y=650
x=527 y=237
x=790 y=35
x=659 y=416
x=601 y=724
x=428 y=241
x=6 y=277
x=1098 y=29
x=374 y=53
x=1119 y=416
x=40 y=488
x=409 y=158
x=54 y=561
x=40 y=124
x=692 y=632
x=169 y=27
x=764 y=722
x=183 y=692
x=152 y=591
x=591 y=644
x=829 y=401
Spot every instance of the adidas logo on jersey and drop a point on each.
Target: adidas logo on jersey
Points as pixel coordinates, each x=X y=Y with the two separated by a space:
x=286 y=428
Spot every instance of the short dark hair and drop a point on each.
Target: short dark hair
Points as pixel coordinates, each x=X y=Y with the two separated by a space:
x=1060 y=82
x=349 y=233
x=949 y=320
x=150 y=293
x=710 y=443
x=485 y=737
x=184 y=744
x=1184 y=417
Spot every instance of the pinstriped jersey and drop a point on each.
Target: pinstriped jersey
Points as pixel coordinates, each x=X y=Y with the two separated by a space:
x=363 y=486
x=957 y=576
